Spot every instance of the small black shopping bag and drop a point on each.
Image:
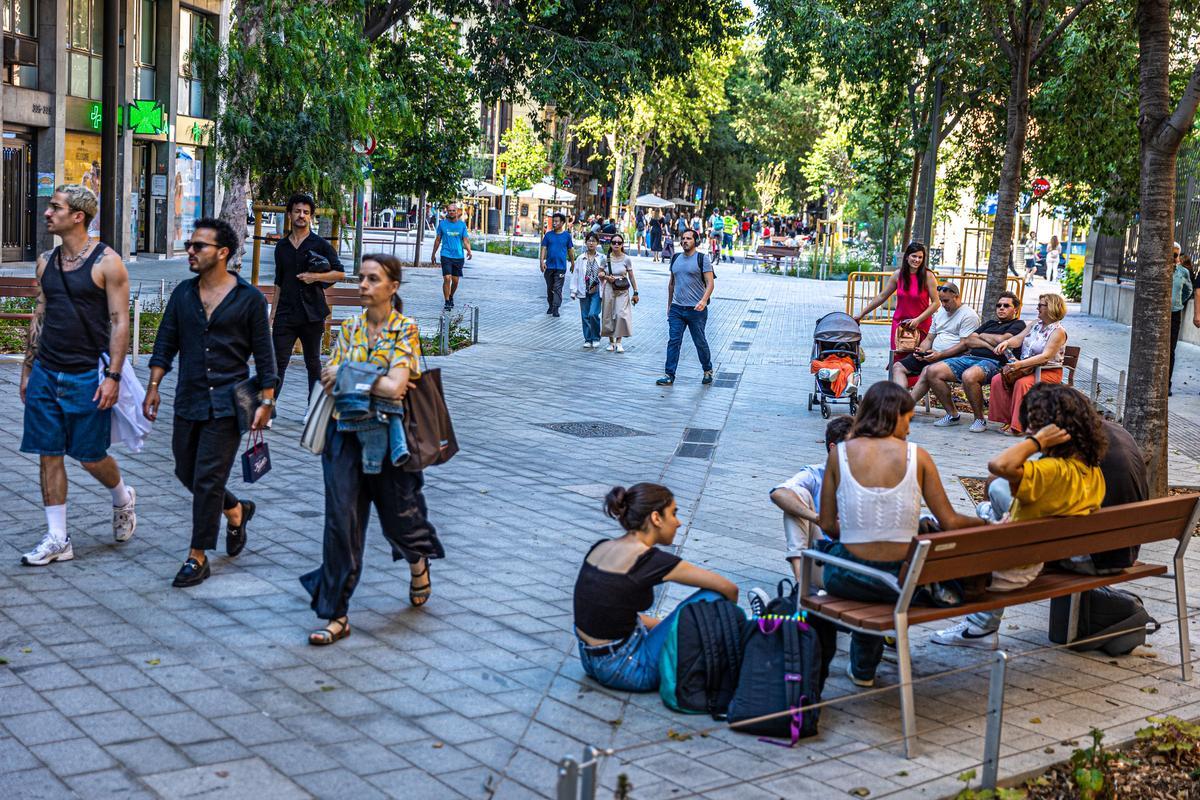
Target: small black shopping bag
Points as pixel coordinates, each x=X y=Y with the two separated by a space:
x=256 y=461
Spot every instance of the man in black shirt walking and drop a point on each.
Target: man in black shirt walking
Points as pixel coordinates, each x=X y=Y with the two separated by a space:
x=305 y=265
x=214 y=322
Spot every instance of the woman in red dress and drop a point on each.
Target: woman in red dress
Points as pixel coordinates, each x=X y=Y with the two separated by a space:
x=915 y=288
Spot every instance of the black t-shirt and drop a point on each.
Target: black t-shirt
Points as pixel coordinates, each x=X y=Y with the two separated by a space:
x=1011 y=328
x=298 y=301
x=1125 y=481
x=607 y=603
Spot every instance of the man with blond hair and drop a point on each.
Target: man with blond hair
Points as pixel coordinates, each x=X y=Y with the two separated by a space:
x=455 y=242
x=71 y=376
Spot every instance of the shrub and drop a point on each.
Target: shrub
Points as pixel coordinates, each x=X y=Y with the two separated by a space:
x=1072 y=285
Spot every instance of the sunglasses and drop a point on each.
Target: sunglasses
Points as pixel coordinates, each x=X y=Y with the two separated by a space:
x=617 y=243
x=192 y=245
x=1004 y=305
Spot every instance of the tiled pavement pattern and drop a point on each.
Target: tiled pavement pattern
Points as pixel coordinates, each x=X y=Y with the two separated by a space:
x=118 y=685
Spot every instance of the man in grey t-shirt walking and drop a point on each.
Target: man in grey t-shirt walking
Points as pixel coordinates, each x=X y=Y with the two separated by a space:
x=690 y=288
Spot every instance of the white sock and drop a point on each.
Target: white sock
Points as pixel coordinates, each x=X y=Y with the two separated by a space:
x=56 y=521
x=120 y=494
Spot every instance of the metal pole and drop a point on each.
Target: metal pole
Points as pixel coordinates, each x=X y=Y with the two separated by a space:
x=359 y=199
x=475 y=325
x=444 y=333
x=1121 y=397
x=995 y=721
x=111 y=69
x=568 y=779
x=504 y=206
x=1095 y=379
x=587 y=775
x=137 y=327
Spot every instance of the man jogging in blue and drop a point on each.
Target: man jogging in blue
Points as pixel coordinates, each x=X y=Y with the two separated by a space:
x=454 y=240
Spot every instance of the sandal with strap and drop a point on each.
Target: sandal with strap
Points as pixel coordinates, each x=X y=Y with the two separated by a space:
x=327 y=636
x=419 y=595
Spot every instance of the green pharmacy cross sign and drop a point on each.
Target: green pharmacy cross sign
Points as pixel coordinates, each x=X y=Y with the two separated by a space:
x=147 y=117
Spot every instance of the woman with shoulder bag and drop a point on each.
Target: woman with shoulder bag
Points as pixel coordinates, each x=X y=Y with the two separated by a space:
x=619 y=294
x=585 y=287
x=1041 y=345
x=359 y=475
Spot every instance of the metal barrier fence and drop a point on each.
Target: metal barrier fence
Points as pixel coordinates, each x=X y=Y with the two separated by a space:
x=578 y=779
x=861 y=287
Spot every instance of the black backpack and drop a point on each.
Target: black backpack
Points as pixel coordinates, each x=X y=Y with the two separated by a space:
x=1101 y=611
x=785 y=662
x=698 y=666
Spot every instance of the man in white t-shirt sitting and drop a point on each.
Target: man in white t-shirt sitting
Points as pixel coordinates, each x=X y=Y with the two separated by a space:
x=951 y=323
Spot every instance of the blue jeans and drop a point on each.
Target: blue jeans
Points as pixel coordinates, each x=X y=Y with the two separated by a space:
x=589 y=312
x=61 y=418
x=866 y=651
x=679 y=318
x=633 y=667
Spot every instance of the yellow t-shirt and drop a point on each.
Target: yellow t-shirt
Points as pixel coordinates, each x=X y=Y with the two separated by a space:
x=1058 y=487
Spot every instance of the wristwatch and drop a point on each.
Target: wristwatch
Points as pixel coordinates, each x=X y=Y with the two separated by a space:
x=114 y=376
x=267 y=401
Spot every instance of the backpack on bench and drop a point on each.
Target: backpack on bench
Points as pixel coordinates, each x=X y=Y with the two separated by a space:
x=1102 y=611
x=785 y=662
x=698 y=666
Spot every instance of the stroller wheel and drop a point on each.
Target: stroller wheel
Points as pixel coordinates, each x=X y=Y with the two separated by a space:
x=811 y=399
x=824 y=411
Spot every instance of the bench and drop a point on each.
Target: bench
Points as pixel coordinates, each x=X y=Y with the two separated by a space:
x=974 y=551
x=1070 y=367
x=776 y=252
x=18 y=288
x=335 y=296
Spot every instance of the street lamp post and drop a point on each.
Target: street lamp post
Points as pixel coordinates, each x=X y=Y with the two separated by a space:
x=108 y=123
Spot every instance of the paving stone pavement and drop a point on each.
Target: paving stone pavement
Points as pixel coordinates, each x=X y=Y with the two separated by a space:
x=117 y=685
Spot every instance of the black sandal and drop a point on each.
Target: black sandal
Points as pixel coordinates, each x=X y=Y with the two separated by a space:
x=325 y=636
x=419 y=595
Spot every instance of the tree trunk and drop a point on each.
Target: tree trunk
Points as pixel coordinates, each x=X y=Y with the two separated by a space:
x=1161 y=133
x=421 y=211
x=618 y=168
x=242 y=87
x=911 y=208
x=1010 y=175
x=639 y=166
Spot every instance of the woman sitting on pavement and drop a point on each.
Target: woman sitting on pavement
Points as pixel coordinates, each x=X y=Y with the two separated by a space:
x=871 y=505
x=618 y=646
x=1042 y=345
x=1066 y=481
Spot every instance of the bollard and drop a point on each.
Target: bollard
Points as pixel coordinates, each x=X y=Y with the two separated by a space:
x=568 y=779
x=995 y=721
x=1121 y=398
x=1095 y=379
x=137 y=328
x=444 y=335
x=588 y=773
x=475 y=325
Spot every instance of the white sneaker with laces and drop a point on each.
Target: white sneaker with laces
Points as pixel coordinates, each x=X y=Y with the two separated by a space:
x=946 y=421
x=587 y=345
x=758 y=600
x=611 y=347
x=978 y=426
x=48 y=550
x=964 y=634
x=125 y=518
x=867 y=684
x=620 y=349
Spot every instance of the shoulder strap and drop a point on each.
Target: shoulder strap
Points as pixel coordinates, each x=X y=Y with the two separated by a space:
x=56 y=260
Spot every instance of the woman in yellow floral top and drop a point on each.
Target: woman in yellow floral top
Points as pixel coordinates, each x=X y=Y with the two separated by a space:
x=385 y=337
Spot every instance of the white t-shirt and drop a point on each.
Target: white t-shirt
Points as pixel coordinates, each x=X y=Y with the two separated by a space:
x=948 y=328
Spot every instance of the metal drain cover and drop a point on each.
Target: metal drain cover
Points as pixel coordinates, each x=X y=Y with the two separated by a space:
x=592 y=429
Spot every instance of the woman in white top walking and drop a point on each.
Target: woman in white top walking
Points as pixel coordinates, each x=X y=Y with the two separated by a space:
x=871 y=505
x=585 y=287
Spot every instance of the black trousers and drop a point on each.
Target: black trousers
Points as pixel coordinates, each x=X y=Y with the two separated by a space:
x=284 y=336
x=1176 y=324
x=349 y=494
x=204 y=453
x=554 y=286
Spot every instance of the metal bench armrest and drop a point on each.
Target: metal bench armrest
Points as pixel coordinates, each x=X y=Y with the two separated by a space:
x=886 y=578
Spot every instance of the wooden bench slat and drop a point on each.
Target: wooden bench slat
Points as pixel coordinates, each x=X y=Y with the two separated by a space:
x=879 y=616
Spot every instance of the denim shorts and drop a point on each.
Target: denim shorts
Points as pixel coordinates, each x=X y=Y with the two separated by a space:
x=632 y=667
x=61 y=418
x=960 y=364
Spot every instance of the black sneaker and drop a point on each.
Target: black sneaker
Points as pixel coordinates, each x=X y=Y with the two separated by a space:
x=665 y=380
x=192 y=573
x=758 y=601
x=235 y=535
x=554 y=313
x=707 y=378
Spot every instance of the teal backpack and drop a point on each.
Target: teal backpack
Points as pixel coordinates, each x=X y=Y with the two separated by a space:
x=698 y=665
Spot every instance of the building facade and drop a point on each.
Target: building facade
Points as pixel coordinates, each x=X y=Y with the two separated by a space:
x=52 y=113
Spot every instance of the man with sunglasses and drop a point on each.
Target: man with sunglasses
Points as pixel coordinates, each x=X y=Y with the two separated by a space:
x=214 y=323
x=973 y=362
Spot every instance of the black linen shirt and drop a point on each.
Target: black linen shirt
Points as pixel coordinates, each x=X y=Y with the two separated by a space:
x=214 y=353
x=298 y=301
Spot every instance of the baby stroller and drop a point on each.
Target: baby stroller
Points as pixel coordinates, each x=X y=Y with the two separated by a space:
x=836 y=362
x=668 y=247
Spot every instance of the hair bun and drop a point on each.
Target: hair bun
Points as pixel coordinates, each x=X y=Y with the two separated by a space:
x=616 y=502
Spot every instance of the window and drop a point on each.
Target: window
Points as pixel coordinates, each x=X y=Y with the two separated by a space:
x=85 y=48
x=19 y=21
x=193 y=27
x=144 y=25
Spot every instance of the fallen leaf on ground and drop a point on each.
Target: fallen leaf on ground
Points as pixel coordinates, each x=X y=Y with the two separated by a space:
x=438 y=745
x=1035 y=721
x=327 y=688
x=860 y=791
x=676 y=736
x=1150 y=689
x=1048 y=750
x=222 y=773
x=154 y=662
x=26 y=649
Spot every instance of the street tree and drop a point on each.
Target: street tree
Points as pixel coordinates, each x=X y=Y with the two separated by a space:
x=767 y=184
x=829 y=172
x=1163 y=122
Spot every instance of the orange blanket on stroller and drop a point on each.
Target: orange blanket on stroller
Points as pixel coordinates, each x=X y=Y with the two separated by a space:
x=845 y=367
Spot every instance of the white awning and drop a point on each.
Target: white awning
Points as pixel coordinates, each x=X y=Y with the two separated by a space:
x=473 y=187
x=679 y=201
x=653 y=201
x=546 y=192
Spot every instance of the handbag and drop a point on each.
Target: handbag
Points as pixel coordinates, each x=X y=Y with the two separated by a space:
x=1011 y=373
x=256 y=460
x=621 y=282
x=427 y=423
x=316 y=420
x=907 y=339
x=245 y=402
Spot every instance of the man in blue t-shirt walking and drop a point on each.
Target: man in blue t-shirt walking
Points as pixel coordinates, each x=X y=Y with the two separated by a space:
x=557 y=251
x=454 y=240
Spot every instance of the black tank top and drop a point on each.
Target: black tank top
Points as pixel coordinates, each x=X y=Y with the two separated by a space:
x=73 y=339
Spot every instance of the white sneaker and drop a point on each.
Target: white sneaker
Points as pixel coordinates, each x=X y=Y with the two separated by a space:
x=964 y=634
x=867 y=684
x=611 y=347
x=125 y=518
x=758 y=599
x=620 y=349
x=978 y=426
x=587 y=345
x=946 y=421
x=48 y=550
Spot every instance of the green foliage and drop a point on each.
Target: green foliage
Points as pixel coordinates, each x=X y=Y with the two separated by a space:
x=428 y=147
x=967 y=793
x=523 y=250
x=827 y=168
x=1171 y=736
x=295 y=97
x=1091 y=769
x=1072 y=285
x=767 y=183
x=525 y=154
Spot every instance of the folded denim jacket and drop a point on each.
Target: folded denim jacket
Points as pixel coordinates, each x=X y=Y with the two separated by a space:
x=378 y=423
